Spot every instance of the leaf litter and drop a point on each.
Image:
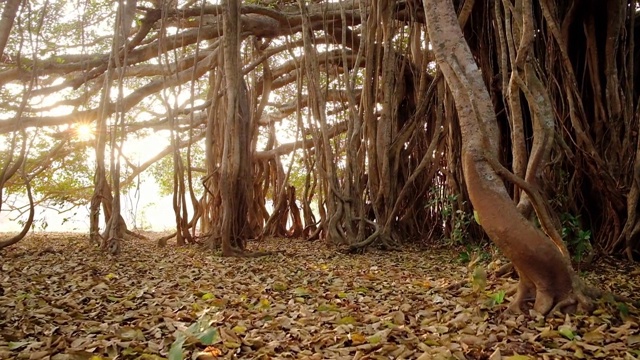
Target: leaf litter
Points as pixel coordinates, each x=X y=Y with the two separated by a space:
x=61 y=298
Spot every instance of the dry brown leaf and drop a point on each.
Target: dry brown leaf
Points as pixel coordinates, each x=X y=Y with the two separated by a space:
x=73 y=303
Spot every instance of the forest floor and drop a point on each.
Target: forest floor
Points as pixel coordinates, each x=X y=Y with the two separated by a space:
x=61 y=298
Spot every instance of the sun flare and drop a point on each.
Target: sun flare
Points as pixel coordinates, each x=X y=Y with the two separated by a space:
x=84 y=132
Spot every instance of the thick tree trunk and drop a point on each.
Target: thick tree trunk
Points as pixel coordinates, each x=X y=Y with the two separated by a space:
x=236 y=163
x=229 y=167
x=6 y=23
x=544 y=273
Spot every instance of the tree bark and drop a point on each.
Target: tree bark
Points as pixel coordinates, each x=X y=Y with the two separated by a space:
x=6 y=23
x=236 y=166
x=544 y=274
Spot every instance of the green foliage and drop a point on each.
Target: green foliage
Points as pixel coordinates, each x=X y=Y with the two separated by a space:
x=497 y=298
x=39 y=223
x=464 y=257
x=577 y=239
x=68 y=180
x=473 y=252
x=65 y=22
x=460 y=227
x=62 y=180
x=624 y=310
x=479 y=278
x=567 y=332
x=459 y=219
x=298 y=174
x=162 y=173
x=268 y=4
x=162 y=170
x=614 y=305
x=199 y=332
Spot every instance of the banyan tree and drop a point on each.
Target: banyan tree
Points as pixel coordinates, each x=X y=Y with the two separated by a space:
x=358 y=123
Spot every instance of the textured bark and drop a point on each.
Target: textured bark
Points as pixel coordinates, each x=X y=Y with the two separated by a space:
x=544 y=275
x=236 y=163
x=325 y=156
x=9 y=12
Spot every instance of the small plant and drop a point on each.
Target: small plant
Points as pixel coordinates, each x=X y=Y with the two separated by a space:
x=497 y=298
x=199 y=332
x=464 y=257
x=479 y=278
x=624 y=310
x=460 y=227
x=459 y=219
x=577 y=239
x=473 y=252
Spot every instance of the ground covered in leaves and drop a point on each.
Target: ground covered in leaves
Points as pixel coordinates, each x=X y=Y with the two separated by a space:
x=61 y=298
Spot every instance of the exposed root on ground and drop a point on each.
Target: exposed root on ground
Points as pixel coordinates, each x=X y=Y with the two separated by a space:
x=581 y=299
x=162 y=242
x=596 y=293
x=504 y=270
x=134 y=234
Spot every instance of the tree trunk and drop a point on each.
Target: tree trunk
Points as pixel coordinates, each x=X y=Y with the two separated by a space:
x=6 y=23
x=236 y=165
x=544 y=274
